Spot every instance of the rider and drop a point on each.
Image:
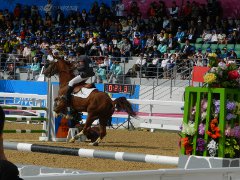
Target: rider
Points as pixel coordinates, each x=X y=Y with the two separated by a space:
x=83 y=71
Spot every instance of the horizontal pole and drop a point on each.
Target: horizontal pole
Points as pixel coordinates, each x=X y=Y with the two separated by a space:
x=25 y=119
x=92 y=153
x=24 y=107
x=23 y=131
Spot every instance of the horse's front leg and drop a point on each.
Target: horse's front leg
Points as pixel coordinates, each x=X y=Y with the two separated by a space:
x=76 y=137
x=103 y=133
x=86 y=128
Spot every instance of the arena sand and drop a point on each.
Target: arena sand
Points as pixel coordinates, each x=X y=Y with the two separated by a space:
x=135 y=141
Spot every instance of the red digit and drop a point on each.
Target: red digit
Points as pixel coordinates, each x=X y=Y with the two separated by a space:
x=110 y=88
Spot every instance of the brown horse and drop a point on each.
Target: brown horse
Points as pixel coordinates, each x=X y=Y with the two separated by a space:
x=98 y=104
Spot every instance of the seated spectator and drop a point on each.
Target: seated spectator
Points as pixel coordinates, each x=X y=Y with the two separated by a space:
x=116 y=71
x=179 y=35
x=232 y=54
x=170 y=42
x=136 y=44
x=214 y=37
x=186 y=49
x=161 y=37
x=162 y=47
x=224 y=53
x=149 y=43
x=101 y=74
x=206 y=36
x=221 y=38
x=137 y=66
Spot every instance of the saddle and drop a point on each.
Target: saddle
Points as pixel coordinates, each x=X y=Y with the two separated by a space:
x=81 y=85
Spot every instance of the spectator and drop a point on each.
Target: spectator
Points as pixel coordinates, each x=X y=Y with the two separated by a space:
x=34 y=69
x=174 y=10
x=48 y=8
x=180 y=34
x=214 y=37
x=125 y=49
x=116 y=71
x=120 y=9
x=162 y=47
x=101 y=74
x=186 y=49
x=164 y=63
x=138 y=65
x=199 y=61
x=149 y=43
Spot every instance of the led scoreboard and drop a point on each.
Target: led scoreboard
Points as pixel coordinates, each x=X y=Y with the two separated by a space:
x=119 y=88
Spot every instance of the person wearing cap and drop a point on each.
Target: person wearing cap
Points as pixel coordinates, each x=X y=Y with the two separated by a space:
x=179 y=35
x=224 y=53
x=83 y=71
x=8 y=171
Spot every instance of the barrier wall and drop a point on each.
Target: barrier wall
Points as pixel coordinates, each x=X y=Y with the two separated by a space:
x=36 y=87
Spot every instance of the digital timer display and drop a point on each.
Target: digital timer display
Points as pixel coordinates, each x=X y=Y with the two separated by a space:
x=118 y=88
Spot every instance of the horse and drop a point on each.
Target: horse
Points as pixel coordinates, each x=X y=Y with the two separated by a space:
x=98 y=104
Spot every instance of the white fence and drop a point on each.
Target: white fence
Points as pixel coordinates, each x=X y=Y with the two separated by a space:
x=164 y=174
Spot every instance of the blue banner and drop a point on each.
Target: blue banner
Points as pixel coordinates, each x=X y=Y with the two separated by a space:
x=65 y=6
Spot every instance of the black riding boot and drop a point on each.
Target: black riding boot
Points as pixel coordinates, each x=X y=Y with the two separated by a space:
x=68 y=94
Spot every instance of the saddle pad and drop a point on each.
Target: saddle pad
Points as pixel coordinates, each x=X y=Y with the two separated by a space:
x=84 y=92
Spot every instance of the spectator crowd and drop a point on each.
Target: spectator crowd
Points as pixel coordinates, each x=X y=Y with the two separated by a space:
x=110 y=35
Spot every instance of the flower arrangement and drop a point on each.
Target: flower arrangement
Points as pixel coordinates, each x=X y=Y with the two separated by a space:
x=210 y=144
x=221 y=74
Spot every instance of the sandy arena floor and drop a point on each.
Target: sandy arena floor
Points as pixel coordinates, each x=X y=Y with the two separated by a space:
x=136 y=141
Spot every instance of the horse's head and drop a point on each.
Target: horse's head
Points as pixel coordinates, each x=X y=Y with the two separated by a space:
x=51 y=69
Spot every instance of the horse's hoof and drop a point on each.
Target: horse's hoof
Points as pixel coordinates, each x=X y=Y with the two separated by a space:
x=72 y=140
x=93 y=144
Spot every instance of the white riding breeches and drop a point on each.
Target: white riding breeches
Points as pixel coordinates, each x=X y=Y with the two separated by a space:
x=76 y=80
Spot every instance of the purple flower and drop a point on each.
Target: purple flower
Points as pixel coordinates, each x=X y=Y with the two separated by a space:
x=231 y=105
x=217 y=106
x=217 y=109
x=230 y=116
x=216 y=102
x=200 y=145
x=181 y=127
x=201 y=129
x=235 y=132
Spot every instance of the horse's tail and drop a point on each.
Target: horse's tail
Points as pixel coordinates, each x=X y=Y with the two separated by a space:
x=122 y=103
